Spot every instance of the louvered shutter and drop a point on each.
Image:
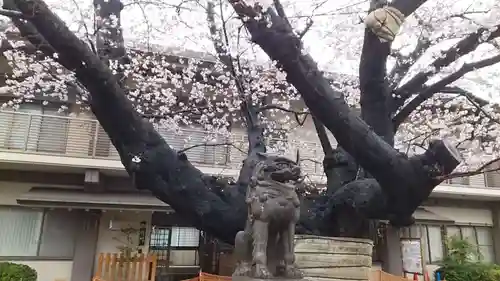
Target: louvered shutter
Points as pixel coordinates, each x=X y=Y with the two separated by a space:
x=459 y=181
x=477 y=180
x=493 y=179
x=216 y=155
x=238 y=152
x=6 y=121
x=194 y=137
x=113 y=153
x=26 y=128
x=176 y=141
x=53 y=131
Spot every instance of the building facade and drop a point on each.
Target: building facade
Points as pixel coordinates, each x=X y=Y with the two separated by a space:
x=66 y=198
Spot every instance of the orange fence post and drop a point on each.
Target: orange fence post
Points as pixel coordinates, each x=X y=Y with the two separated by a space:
x=133 y=265
x=152 y=267
x=114 y=267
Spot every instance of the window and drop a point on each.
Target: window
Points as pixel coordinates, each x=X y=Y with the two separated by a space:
x=159 y=238
x=480 y=236
x=175 y=246
x=184 y=258
x=185 y=237
x=484 y=237
x=434 y=243
x=22 y=236
x=460 y=181
x=431 y=241
x=37 y=233
x=453 y=231
x=184 y=242
x=493 y=178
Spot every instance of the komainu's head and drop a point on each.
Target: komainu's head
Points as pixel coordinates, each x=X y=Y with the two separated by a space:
x=277 y=168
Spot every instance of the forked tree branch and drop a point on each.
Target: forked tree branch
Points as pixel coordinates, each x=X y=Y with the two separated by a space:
x=308 y=26
x=470 y=96
x=255 y=132
x=407 y=182
x=143 y=152
x=210 y=145
x=404 y=63
x=375 y=100
x=297 y=114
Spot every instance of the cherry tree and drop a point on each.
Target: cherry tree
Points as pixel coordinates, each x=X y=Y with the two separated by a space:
x=412 y=90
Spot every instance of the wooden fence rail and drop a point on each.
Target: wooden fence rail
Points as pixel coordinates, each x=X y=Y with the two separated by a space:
x=202 y=276
x=116 y=267
x=379 y=275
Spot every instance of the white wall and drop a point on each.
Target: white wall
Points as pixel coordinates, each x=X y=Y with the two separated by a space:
x=106 y=241
x=464 y=215
x=10 y=191
x=50 y=270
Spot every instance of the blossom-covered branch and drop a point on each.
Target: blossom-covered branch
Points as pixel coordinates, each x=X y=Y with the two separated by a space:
x=463 y=47
x=142 y=150
x=427 y=92
x=249 y=111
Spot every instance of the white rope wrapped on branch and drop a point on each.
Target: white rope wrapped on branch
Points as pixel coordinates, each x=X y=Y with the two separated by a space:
x=385 y=22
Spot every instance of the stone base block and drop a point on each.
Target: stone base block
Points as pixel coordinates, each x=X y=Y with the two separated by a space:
x=244 y=278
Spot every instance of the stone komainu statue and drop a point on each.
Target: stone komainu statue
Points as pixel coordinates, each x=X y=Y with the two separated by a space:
x=265 y=249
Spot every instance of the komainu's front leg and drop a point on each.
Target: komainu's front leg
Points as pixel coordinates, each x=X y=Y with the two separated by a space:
x=242 y=253
x=260 y=236
x=291 y=270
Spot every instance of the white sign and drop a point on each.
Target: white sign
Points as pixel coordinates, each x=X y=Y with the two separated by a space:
x=411 y=253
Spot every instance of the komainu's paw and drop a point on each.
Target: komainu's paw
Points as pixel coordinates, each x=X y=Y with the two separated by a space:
x=243 y=269
x=262 y=272
x=293 y=272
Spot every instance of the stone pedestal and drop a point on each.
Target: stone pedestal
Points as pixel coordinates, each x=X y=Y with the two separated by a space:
x=244 y=278
x=331 y=258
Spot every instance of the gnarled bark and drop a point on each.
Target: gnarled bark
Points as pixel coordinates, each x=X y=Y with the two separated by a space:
x=210 y=205
x=215 y=207
x=364 y=198
x=406 y=181
x=143 y=152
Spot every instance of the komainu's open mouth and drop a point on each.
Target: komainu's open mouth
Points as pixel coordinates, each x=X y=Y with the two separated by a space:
x=279 y=169
x=285 y=171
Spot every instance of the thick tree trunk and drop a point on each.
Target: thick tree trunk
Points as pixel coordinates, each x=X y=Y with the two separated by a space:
x=348 y=207
x=212 y=206
x=208 y=204
x=152 y=163
x=406 y=182
x=347 y=204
